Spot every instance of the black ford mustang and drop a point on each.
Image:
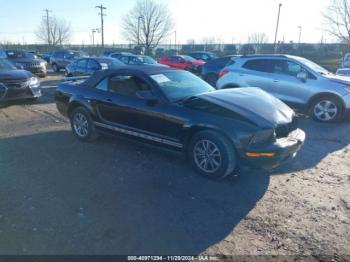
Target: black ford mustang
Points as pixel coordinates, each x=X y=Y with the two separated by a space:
x=17 y=84
x=215 y=129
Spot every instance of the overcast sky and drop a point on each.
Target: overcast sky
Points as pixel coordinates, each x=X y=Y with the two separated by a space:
x=229 y=20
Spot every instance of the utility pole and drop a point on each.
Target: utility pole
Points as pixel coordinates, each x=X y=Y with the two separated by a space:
x=48 y=25
x=278 y=21
x=138 y=30
x=300 y=29
x=176 y=43
x=93 y=37
x=102 y=8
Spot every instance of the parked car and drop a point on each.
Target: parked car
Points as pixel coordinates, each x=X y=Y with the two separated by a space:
x=295 y=80
x=17 y=84
x=117 y=55
x=88 y=66
x=37 y=54
x=139 y=60
x=61 y=58
x=211 y=69
x=345 y=61
x=107 y=53
x=183 y=62
x=217 y=130
x=47 y=56
x=204 y=56
x=26 y=61
x=343 y=72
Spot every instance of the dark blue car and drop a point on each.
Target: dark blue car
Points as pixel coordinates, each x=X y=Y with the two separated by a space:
x=211 y=70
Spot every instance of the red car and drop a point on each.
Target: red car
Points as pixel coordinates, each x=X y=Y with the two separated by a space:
x=183 y=62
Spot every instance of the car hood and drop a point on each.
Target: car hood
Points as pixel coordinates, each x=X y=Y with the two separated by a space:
x=14 y=75
x=254 y=104
x=345 y=80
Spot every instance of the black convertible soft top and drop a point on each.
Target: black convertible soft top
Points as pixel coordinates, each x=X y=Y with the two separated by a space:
x=141 y=71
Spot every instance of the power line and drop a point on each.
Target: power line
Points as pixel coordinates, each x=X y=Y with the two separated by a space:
x=101 y=7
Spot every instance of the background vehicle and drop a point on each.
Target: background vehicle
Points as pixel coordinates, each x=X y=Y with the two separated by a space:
x=47 y=56
x=295 y=80
x=26 y=61
x=17 y=84
x=138 y=60
x=176 y=109
x=343 y=72
x=211 y=69
x=117 y=55
x=61 y=58
x=88 y=66
x=183 y=62
x=346 y=61
x=204 y=56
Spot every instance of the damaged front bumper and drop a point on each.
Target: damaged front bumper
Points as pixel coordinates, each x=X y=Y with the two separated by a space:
x=273 y=155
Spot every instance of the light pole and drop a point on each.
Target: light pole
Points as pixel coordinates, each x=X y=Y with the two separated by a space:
x=278 y=21
x=102 y=14
x=175 y=42
x=138 y=29
x=300 y=29
x=93 y=36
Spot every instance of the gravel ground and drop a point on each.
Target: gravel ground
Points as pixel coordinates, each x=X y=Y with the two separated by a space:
x=59 y=196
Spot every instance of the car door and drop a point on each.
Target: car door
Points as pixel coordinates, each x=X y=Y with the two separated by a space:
x=124 y=109
x=259 y=73
x=291 y=89
x=92 y=67
x=81 y=68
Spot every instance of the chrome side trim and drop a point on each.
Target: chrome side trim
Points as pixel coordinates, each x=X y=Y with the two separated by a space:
x=140 y=135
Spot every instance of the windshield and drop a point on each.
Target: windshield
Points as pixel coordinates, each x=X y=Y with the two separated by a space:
x=5 y=65
x=180 y=85
x=13 y=54
x=188 y=58
x=313 y=66
x=147 y=60
x=75 y=55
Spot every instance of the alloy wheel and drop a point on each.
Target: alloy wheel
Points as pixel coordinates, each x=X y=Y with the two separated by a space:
x=81 y=125
x=325 y=110
x=207 y=156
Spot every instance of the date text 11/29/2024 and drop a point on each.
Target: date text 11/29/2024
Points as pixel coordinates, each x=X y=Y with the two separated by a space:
x=173 y=258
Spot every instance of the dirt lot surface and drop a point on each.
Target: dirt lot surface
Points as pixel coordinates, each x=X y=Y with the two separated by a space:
x=60 y=196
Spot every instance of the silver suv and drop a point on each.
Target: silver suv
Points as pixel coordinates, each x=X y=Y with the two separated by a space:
x=297 y=81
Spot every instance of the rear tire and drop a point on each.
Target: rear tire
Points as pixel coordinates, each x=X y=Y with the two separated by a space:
x=326 y=110
x=212 y=155
x=55 y=68
x=82 y=125
x=212 y=79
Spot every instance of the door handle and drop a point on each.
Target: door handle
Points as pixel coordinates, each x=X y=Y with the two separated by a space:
x=108 y=100
x=276 y=81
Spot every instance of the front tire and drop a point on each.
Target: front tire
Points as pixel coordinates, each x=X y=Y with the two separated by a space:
x=326 y=110
x=212 y=155
x=82 y=125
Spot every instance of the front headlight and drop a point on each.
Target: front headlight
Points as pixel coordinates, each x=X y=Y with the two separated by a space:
x=33 y=81
x=43 y=63
x=263 y=136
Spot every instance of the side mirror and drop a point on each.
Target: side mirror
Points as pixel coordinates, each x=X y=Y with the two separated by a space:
x=147 y=96
x=302 y=76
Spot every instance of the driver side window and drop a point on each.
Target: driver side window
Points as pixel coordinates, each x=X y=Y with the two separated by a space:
x=126 y=85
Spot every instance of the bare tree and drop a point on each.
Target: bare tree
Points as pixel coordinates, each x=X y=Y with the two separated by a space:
x=147 y=24
x=337 y=20
x=54 y=31
x=257 y=40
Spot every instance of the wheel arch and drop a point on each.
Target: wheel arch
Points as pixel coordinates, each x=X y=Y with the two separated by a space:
x=326 y=94
x=195 y=129
x=73 y=104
